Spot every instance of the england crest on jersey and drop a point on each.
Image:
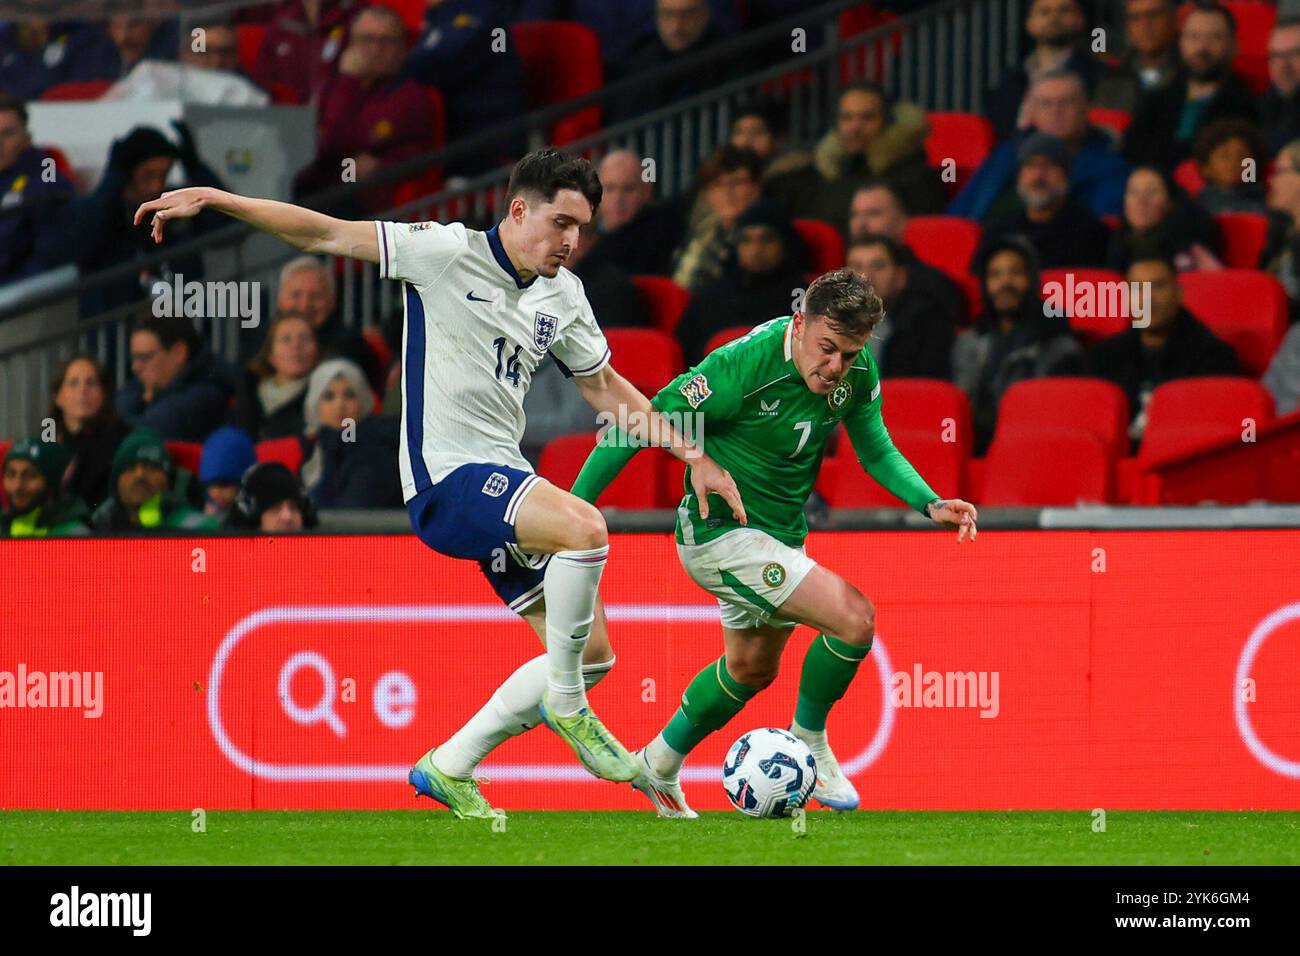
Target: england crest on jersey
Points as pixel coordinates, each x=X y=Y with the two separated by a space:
x=544 y=330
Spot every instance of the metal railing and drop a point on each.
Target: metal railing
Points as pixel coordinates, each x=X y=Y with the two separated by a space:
x=943 y=57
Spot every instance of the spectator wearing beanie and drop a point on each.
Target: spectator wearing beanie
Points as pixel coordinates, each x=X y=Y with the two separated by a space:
x=33 y=472
x=87 y=425
x=271 y=501
x=354 y=461
x=759 y=283
x=148 y=491
x=227 y=454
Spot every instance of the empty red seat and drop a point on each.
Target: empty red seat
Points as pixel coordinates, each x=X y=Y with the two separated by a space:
x=635 y=486
x=824 y=243
x=1049 y=468
x=91 y=90
x=249 y=37
x=560 y=61
x=1115 y=120
x=1094 y=300
x=1244 y=235
x=866 y=61
x=845 y=484
x=928 y=405
x=1066 y=404
x=1191 y=412
x=647 y=358
x=1188 y=176
x=185 y=454
x=412 y=12
x=721 y=338
x=1244 y=307
x=665 y=300
x=964 y=138
x=946 y=242
x=287 y=451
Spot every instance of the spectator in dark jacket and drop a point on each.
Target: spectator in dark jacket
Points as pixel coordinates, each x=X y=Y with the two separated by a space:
x=766 y=275
x=635 y=233
x=614 y=300
x=33 y=470
x=300 y=49
x=368 y=115
x=1151 y=58
x=149 y=493
x=479 y=77
x=1014 y=339
x=1058 y=29
x=1062 y=232
x=268 y=403
x=1282 y=378
x=139 y=38
x=729 y=182
x=227 y=454
x=1173 y=344
x=1161 y=220
x=1058 y=106
x=1279 y=107
x=354 y=461
x=32 y=194
x=1165 y=121
x=271 y=501
x=1229 y=154
x=874 y=139
x=915 y=337
x=37 y=53
x=87 y=425
x=1281 y=255
x=98 y=231
x=177 y=387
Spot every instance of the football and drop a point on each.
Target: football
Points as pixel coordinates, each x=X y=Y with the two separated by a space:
x=769 y=773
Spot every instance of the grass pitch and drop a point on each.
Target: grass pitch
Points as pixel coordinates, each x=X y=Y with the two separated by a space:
x=862 y=838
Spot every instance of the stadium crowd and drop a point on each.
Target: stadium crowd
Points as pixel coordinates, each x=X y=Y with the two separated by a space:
x=1177 y=156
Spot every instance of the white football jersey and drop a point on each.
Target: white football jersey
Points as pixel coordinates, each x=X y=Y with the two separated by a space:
x=473 y=336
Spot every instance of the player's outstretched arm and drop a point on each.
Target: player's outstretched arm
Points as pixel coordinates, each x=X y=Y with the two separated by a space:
x=307 y=229
x=611 y=394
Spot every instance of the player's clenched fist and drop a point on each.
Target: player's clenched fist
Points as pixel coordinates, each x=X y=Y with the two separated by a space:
x=955 y=513
x=708 y=477
x=175 y=204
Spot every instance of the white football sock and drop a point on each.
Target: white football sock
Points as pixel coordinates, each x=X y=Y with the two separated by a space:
x=663 y=760
x=509 y=712
x=571 y=585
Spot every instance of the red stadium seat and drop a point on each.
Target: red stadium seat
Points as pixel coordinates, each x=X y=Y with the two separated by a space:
x=185 y=454
x=412 y=12
x=972 y=293
x=672 y=481
x=1188 y=176
x=560 y=61
x=1070 y=284
x=1255 y=22
x=964 y=138
x=928 y=405
x=92 y=90
x=1047 y=468
x=844 y=484
x=635 y=487
x=867 y=61
x=824 y=243
x=722 y=337
x=647 y=358
x=946 y=242
x=1115 y=120
x=431 y=180
x=63 y=165
x=1244 y=235
x=1066 y=404
x=665 y=300
x=1244 y=307
x=249 y=37
x=1193 y=411
x=287 y=451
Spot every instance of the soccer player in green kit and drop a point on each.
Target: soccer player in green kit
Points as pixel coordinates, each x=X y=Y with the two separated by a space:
x=768 y=402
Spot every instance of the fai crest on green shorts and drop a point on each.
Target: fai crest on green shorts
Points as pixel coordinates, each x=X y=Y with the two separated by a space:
x=773 y=575
x=840 y=395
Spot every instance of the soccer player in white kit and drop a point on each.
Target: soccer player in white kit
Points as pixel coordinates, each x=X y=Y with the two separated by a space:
x=483 y=310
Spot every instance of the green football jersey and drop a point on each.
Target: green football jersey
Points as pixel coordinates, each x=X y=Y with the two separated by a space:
x=749 y=409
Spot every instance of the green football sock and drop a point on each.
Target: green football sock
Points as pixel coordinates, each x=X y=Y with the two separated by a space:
x=828 y=669
x=712 y=699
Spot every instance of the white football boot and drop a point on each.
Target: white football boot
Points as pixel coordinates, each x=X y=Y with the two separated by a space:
x=666 y=795
x=833 y=788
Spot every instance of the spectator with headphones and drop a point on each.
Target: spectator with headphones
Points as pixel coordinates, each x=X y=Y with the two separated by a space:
x=271 y=501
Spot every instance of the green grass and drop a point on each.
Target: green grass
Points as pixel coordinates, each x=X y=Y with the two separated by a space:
x=870 y=837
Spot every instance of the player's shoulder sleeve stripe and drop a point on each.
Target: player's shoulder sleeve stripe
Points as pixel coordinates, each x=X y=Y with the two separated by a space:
x=385 y=258
x=591 y=369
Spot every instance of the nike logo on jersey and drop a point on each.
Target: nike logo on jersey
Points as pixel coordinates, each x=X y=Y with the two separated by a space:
x=473 y=298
